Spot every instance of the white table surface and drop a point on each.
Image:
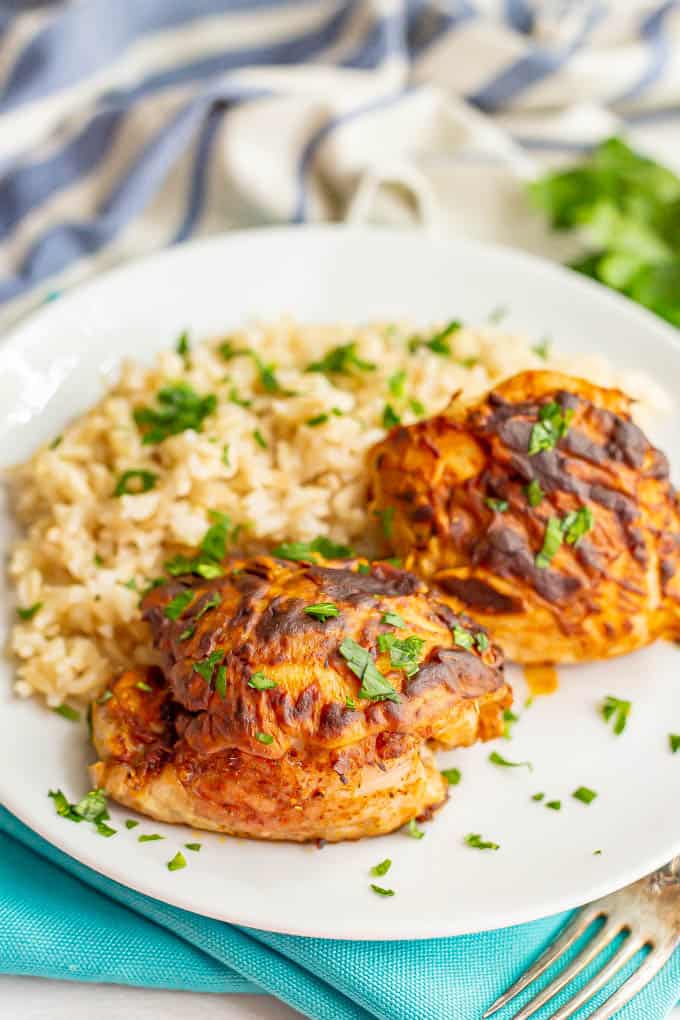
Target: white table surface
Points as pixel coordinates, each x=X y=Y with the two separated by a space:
x=36 y=999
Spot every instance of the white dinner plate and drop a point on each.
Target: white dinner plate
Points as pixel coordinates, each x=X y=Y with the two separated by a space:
x=51 y=369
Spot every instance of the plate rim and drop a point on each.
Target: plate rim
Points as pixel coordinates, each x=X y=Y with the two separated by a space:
x=12 y=338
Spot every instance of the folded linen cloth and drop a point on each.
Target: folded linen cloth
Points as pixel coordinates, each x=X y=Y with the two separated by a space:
x=130 y=126
x=59 y=919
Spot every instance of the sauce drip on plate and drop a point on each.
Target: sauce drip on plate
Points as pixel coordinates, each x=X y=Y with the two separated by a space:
x=541 y=679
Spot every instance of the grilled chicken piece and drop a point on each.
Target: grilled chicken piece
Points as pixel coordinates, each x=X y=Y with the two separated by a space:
x=544 y=512
x=267 y=721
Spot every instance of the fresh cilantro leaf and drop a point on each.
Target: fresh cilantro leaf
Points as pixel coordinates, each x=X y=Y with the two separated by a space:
x=413 y=831
x=392 y=619
x=497 y=759
x=534 y=493
x=475 y=840
x=178 y=862
x=378 y=870
x=29 y=612
x=194 y=847
x=577 y=524
x=221 y=681
x=178 y=604
x=482 y=641
x=390 y=418
x=552 y=425
x=319 y=419
x=342 y=360
x=264 y=738
x=405 y=653
x=206 y=667
x=552 y=540
x=438 y=342
x=350 y=703
x=306 y=550
x=179 y=408
x=379 y=891
x=214 y=542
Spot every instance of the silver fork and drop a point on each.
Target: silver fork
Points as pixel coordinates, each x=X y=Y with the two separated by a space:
x=648 y=911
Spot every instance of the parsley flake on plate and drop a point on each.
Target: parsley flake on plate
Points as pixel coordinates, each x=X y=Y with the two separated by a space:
x=619 y=710
x=413 y=830
x=584 y=794
x=509 y=720
x=497 y=759
x=452 y=776
x=72 y=714
x=260 y=440
x=322 y=611
x=538 y=796
x=397 y=383
x=552 y=425
x=374 y=686
x=438 y=342
x=318 y=419
x=178 y=862
x=554 y=805
x=378 y=870
x=463 y=638
x=405 y=653
x=552 y=540
x=179 y=408
x=194 y=847
x=475 y=840
x=150 y=837
x=350 y=703
x=322 y=546
x=674 y=742
x=260 y=682
x=131 y=823
x=379 y=891
x=576 y=524
x=206 y=667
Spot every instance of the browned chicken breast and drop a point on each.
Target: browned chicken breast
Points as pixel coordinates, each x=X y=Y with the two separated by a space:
x=296 y=701
x=544 y=512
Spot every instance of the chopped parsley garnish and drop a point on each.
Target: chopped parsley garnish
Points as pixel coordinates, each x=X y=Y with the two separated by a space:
x=235 y=399
x=225 y=455
x=178 y=862
x=481 y=640
x=379 y=891
x=221 y=682
x=674 y=742
x=150 y=838
x=534 y=493
x=72 y=714
x=386 y=520
x=306 y=550
x=214 y=542
x=183 y=344
x=97 y=560
x=264 y=738
x=57 y=441
x=392 y=619
x=378 y=870
x=179 y=408
x=194 y=847
x=538 y=796
x=178 y=604
x=405 y=653
x=416 y=406
x=552 y=540
x=463 y=638
x=542 y=349
x=596 y=853
x=413 y=831
x=363 y=568
x=554 y=805
x=131 y=584
x=584 y=794
x=350 y=703
x=497 y=759
x=210 y=603
x=29 y=612
x=206 y=667
x=438 y=343
x=92 y=808
x=497 y=505
x=475 y=840
x=497 y=314
x=396 y=384
x=103 y=698
x=390 y=418
x=228 y=351
x=131 y=823
x=452 y=776
x=319 y=419
x=342 y=359
x=260 y=682
x=374 y=686
x=322 y=611
x=552 y=425
x=260 y=440
x=509 y=720
x=576 y=524
x=142 y=686
x=619 y=710
x=267 y=374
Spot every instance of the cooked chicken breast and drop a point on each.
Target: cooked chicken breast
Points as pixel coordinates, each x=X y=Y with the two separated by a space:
x=544 y=512
x=296 y=701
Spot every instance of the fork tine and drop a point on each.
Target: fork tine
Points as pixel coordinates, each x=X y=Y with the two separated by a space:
x=635 y=983
x=620 y=958
x=588 y=953
x=559 y=945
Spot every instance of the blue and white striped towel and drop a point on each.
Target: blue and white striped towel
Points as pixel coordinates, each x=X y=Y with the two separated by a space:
x=129 y=125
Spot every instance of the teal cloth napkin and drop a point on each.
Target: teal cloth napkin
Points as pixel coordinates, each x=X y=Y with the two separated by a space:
x=59 y=919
